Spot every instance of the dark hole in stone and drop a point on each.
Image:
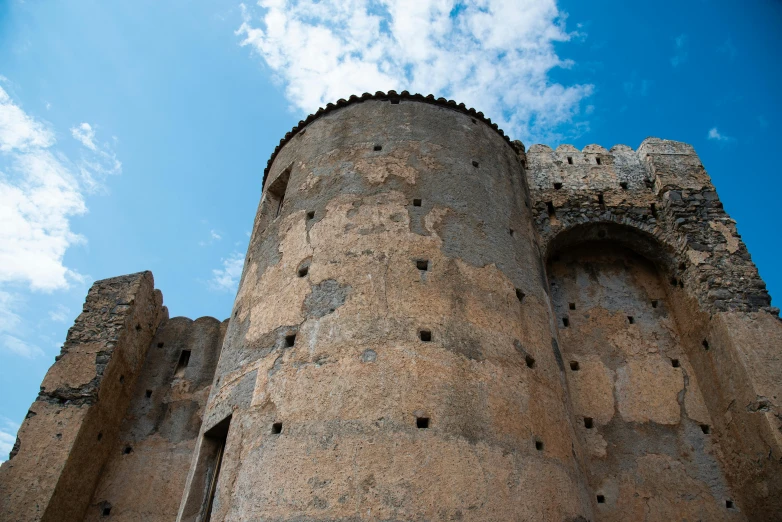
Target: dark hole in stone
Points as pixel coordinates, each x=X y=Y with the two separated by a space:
x=138 y=327
x=378 y=147
x=524 y=163
x=601 y=200
x=588 y=423
x=598 y=161
x=519 y=295
x=100 y=435
x=422 y=423
x=539 y=445
x=184 y=360
x=148 y=394
x=422 y=264
x=557 y=186
x=530 y=361
x=601 y=499
x=565 y=322
x=555 y=258
x=474 y=121
x=416 y=202
x=475 y=164
x=682 y=266
x=302 y=132
x=623 y=184
x=654 y=303
x=550 y=207
x=675 y=363
x=631 y=319
x=303 y=271
x=574 y=366
x=127 y=451
x=290 y=340
x=705 y=344
x=395 y=101
x=121 y=379
x=425 y=335
x=729 y=504
x=58 y=435
x=572 y=306
x=160 y=345
x=106 y=511
x=705 y=428
x=311 y=214
x=569 y=160
x=681 y=283
x=674 y=281
x=276 y=428
x=511 y=232
x=654 y=210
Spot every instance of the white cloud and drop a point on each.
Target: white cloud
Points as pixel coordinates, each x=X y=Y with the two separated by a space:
x=226 y=278
x=61 y=314
x=681 y=53
x=715 y=135
x=7 y=437
x=39 y=194
x=19 y=347
x=495 y=55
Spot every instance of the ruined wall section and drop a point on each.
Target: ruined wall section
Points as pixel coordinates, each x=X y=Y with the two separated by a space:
x=70 y=429
x=145 y=475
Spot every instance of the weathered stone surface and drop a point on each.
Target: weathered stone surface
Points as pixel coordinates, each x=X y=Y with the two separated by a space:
x=432 y=324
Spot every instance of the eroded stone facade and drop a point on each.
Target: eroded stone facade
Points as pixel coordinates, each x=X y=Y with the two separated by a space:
x=433 y=323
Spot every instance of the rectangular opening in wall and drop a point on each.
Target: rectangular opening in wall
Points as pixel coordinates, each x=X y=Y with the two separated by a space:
x=601 y=201
x=623 y=184
x=276 y=191
x=290 y=340
x=184 y=360
x=276 y=428
x=557 y=186
x=588 y=423
x=598 y=161
x=675 y=363
x=572 y=306
x=550 y=207
x=416 y=202
x=215 y=438
x=569 y=160
x=422 y=423
x=565 y=322
x=654 y=303
x=631 y=319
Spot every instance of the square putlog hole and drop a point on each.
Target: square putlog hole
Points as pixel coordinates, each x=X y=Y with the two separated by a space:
x=706 y=429
x=475 y=164
x=557 y=186
x=589 y=423
x=623 y=185
x=529 y=360
x=422 y=423
x=416 y=202
x=290 y=340
x=425 y=335
x=571 y=306
x=106 y=511
x=574 y=366
x=303 y=271
x=519 y=295
x=276 y=428
x=539 y=445
x=729 y=504
x=311 y=214
x=566 y=322
x=631 y=319
x=601 y=499
x=378 y=148
x=422 y=264
x=655 y=303
x=148 y=394
x=675 y=363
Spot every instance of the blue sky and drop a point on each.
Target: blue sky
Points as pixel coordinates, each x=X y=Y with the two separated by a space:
x=133 y=135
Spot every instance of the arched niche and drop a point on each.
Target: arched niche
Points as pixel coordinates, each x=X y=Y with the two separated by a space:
x=637 y=407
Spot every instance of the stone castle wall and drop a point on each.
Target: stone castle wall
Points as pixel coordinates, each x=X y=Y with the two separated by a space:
x=433 y=323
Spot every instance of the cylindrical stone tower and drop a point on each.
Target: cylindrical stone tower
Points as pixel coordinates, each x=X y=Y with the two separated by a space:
x=390 y=352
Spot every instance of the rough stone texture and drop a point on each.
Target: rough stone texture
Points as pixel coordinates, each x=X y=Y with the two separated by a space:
x=433 y=323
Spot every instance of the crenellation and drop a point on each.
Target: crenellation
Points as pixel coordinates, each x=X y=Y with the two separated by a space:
x=423 y=298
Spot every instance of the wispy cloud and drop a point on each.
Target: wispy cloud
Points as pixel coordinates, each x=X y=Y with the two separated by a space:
x=213 y=236
x=19 y=347
x=680 y=50
x=60 y=314
x=226 y=279
x=728 y=48
x=715 y=135
x=495 y=55
x=8 y=430
x=101 y=162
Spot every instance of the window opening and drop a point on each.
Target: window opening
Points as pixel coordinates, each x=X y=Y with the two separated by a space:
x=276 y=191
x=184 y=360
x=217 y=436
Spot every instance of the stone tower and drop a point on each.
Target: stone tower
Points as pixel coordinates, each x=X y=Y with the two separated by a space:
x=433 y=323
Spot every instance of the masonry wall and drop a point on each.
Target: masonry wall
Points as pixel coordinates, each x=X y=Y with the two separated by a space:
x=423 y=381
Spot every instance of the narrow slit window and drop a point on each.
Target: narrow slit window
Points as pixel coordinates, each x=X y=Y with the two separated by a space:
x=184 y=360
x=588 y=423
x=569 y=160
x=214 y=441
x=653 y=208
x=550 y=207
x=276 y=191
x=422 y=423
x=566 y=322
x=601 y=200
x=519 y=295
x=705 y=344
x=290 y=340
x=539 y=445
x=598 y=161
